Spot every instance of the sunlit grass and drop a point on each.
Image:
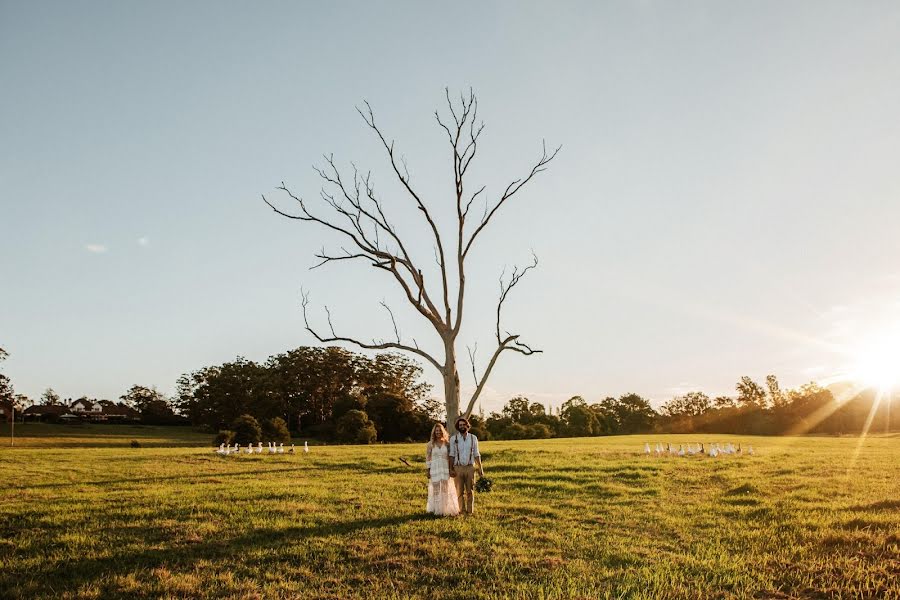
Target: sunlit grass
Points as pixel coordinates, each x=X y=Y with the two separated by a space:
x=588 y=518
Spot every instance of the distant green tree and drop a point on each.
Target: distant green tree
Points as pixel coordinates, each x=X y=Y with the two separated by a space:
x=276 y=430
x=568 y=405
x=154 y=407
x=634 y=414
x=396 y=418
x=356 y=428
x=581 y=421
x=246 y=430
x=538 y=431
x=692 y=404
x=518 y=410
x=777 y=398
x=720 y=402
x=515 y=431
x=7 y=393
x=479 y=427
x=750 y=393
x=50 y=398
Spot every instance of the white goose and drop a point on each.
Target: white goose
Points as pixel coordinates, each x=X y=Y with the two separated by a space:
x=306 y=446
x=714 y=452
x=681 y=450
x=281 y=448
x=272 y=448
x=259 y=448
x=658 y=449
x=647 y=448
x=249 y=448
x=221 y=449
x=750 y=450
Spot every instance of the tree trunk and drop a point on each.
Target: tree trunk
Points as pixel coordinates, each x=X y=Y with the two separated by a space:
x=451 y=386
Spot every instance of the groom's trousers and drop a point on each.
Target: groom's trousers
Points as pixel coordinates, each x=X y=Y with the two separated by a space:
x=465 y=487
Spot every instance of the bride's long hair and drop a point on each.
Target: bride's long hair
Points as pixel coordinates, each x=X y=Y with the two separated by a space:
x=438 y=434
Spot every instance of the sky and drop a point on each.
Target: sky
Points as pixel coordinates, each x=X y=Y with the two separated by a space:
x=725 y=203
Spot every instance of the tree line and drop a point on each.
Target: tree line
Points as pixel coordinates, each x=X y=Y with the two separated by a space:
x=333 y=394
x=754 y=410
x=768 y=410
x=323 y=392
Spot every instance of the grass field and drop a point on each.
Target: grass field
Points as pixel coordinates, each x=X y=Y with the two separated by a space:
x=569 y=518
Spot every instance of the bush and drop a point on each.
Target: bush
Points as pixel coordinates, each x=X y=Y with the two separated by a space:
x=356 y=428
x=538 y=431
x=226 y=436
x=276 y=430
x=516 y=431
x=135 y=444
x=246 y=430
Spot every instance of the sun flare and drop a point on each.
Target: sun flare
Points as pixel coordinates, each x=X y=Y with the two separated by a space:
x=878 y=361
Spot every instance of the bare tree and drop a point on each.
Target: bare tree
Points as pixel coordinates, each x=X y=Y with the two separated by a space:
x=357 y=215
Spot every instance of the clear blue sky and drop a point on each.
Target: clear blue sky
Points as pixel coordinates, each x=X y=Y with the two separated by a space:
x=726 y=201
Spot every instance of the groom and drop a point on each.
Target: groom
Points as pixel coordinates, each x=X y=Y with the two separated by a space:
x=464 y=456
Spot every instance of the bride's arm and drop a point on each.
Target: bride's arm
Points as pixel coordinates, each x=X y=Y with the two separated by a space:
x=428 y=461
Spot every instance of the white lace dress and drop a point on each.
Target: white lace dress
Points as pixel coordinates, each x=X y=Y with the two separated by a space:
x=442 y=498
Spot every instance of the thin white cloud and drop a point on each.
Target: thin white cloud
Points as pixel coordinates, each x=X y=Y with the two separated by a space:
x=96 y=248
x=143 y=241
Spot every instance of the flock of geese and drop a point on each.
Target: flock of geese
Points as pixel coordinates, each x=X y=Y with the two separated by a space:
x=714 y=450
x=660 y=450
x=251 y=449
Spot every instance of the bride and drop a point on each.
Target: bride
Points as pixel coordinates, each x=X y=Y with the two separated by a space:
x=442 y=498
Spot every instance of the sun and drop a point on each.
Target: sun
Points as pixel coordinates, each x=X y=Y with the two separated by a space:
x=878 y=361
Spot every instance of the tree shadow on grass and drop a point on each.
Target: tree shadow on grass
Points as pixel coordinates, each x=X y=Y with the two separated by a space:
x=54 y=577
x=888 y=505
x=157 y=479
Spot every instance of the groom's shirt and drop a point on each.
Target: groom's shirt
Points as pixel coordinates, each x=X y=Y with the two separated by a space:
x=464 y=450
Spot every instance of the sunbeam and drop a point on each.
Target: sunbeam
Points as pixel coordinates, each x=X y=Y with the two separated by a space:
x=865 y=431
x=808 y=424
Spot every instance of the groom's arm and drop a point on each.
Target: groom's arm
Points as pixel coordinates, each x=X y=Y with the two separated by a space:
x=451 y=458
x=477 y=454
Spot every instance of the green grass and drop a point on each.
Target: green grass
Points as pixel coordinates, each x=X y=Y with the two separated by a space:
x=96 y=435
x=583 y=518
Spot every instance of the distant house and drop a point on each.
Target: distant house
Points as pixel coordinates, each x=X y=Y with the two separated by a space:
x=47 y=412
x=86 y=406
x=119 y=412
x=83 y=409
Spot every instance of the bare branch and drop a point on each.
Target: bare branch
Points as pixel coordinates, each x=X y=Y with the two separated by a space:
x=369 y=118
x=368 y=346
x=506 y=287
x=472 y=352
x=511 y=190
x=508 y=341
x=393 y=320
x=346 y=256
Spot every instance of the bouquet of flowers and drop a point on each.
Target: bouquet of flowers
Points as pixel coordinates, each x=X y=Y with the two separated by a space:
x=484 y=485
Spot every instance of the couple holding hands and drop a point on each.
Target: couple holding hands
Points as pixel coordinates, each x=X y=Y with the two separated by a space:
x=450 y=464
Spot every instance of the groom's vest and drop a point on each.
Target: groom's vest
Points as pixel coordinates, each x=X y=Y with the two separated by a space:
x=456 y=438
